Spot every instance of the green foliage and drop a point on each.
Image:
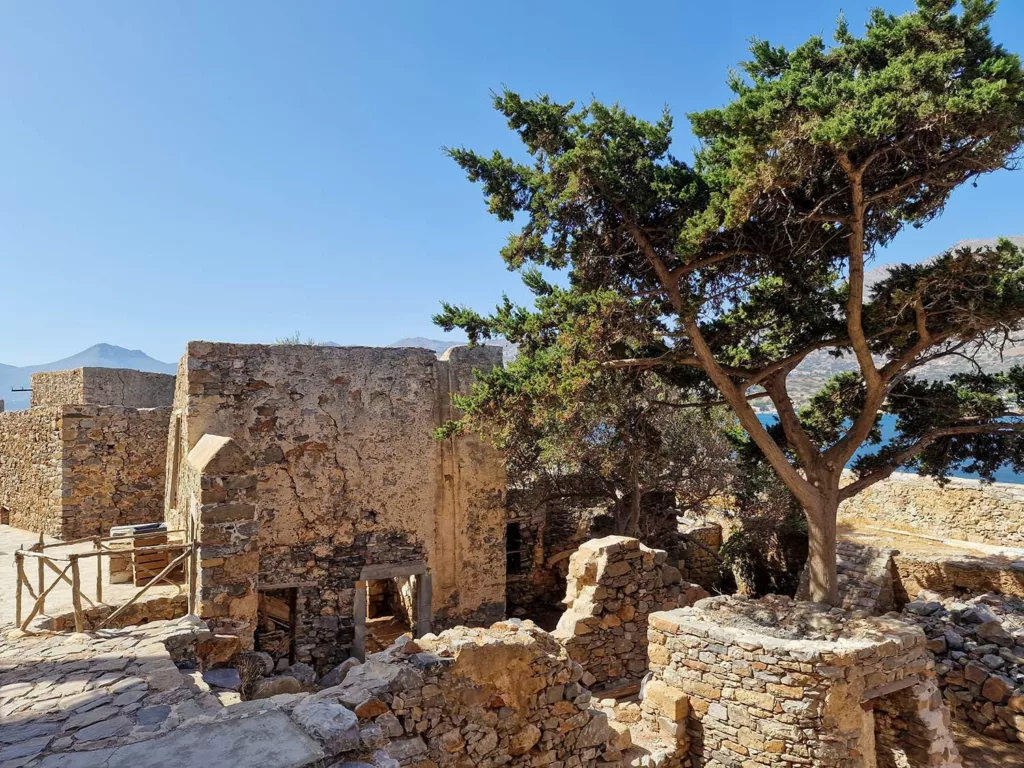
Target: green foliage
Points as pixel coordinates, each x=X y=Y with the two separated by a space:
x=718 y=279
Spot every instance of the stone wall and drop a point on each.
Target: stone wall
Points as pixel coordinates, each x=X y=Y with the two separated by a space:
x=614 y=584
x=220 y=487
x=113 y=467
x=349 y=475
x=777 y=683
x=962 y=509
x=867 y=578
x=31 y=460
x=78 y=470
x=701 y=542
x=102 y=386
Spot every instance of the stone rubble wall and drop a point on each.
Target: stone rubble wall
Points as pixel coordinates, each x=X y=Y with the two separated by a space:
x=349 y=475
x=957 y=575
x=979 y=650
x=747 y=695
x=113 y=467
x=103 y=386
x=866 y=578
x=701 y=543
x=614 y=584
x=507 y=695
x=71 y=471
x=962 y=509
x=31 y=467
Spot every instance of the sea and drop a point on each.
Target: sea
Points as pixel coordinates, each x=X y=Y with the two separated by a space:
x=1003 y=475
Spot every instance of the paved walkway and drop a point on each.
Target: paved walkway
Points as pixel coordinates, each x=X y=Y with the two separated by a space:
x=58 y=602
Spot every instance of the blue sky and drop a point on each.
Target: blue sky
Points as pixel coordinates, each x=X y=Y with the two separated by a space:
x=241 y=170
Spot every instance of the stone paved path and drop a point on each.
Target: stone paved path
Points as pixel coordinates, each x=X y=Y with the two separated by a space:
x=59 y=600
x=70 y=692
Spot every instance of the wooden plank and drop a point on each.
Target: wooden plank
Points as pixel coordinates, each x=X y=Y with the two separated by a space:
x=99 y=571
x=42 y=597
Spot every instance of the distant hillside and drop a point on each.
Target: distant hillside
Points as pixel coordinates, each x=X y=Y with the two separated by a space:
x=96 y=356
x=440 y=347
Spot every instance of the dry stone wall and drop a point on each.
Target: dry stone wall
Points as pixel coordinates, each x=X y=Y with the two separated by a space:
x=867 y=578
x=507 y=695
x=349 y=475
x=778 y=683
x=962 y=509
x=614 y=584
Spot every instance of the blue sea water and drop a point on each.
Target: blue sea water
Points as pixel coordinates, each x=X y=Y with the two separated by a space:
x=1003 y=475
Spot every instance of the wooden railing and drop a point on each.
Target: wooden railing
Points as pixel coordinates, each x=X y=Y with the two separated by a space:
x=69 y=563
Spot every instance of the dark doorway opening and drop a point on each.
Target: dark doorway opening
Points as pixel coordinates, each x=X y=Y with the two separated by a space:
x=390 y=611
x=275 y=623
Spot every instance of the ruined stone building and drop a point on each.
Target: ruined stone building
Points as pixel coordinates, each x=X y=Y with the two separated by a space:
x=344 y=485
x=88 y=455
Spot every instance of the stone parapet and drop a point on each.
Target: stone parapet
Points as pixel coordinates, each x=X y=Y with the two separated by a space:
x=103 y=386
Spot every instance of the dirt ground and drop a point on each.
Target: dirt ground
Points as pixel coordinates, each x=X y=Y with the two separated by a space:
x=979 y=751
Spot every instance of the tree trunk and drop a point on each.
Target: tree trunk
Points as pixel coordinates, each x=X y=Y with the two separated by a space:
x=821 y=555
x=633 y=526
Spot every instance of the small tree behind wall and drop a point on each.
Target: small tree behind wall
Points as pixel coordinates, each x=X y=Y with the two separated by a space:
x=721 y=278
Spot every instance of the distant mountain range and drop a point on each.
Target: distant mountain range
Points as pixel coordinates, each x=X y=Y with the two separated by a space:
x=96 y=356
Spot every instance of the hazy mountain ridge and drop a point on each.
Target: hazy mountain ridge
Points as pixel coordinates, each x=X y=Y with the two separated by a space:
x=96 y=356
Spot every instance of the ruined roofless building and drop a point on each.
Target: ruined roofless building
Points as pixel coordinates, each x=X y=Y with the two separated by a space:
x=312 y=480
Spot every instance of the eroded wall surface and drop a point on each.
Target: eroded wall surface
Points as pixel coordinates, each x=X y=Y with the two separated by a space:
x=350 y=475
x=962 y=509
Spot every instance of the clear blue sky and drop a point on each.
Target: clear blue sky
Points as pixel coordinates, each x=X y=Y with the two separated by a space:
x=241 y=170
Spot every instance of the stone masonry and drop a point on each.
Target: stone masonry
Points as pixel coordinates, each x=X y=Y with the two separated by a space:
x=867 y=578
x=614 y=584
x=77 y=470
x=778 y=683
x=961 y=509
x=102 y=386
x=350 y=480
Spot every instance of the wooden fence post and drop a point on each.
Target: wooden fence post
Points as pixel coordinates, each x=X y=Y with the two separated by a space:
x=41 y=576
x=21 y=576
x=76 y=593
x=99 y=569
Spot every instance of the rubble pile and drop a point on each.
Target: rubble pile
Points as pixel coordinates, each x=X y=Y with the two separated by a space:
x=979 y=652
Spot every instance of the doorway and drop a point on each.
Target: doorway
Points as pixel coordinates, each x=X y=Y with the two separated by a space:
x=390 y=601
x=275 y=623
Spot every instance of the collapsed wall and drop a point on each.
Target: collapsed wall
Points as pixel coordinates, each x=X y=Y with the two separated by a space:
x=351 y=485
x=614 y=584
x=963 y=509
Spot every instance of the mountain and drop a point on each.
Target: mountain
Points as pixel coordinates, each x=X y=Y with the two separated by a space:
x=96 y=356
x=440 y=347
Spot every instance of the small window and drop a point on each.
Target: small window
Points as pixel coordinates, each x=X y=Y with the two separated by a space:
x=513 y=549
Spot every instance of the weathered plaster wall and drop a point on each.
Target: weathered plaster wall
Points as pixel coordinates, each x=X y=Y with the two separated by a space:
x=30 y=469
x=103 y=386
x=77 y=470
x=349 y=474
x=962 y=509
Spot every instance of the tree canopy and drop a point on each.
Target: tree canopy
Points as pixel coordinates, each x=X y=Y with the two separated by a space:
x=720 y=276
